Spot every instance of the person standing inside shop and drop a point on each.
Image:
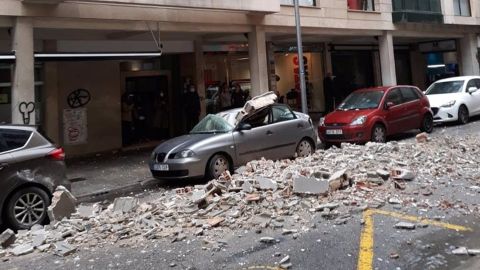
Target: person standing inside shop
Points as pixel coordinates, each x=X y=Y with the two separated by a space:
x=161 y=116
x=329 y=90
x=238 y=98
x=192 y=107
x=127 y=118
x=225 y=97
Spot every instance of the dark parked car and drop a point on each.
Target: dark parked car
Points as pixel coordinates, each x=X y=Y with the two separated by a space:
x=31 y=167
x=218 y=143
x=375 y=113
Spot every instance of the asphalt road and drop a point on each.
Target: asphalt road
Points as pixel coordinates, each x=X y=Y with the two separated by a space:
x=321 y=245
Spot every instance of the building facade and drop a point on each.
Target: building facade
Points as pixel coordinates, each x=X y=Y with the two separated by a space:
x=66 y=65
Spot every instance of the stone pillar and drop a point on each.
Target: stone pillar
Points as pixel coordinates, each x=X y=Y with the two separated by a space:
x=469 y=55
x=52 y=115
x=387 y=59
x=258 y=61
x=23 y=88
x=200 y=74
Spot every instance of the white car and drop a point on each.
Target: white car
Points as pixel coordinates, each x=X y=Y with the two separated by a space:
x=455 y=99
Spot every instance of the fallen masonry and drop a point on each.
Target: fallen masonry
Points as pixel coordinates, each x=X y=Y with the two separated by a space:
x=285 y=196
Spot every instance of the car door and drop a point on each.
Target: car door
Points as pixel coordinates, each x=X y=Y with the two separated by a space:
x=287 y=131
x=7 y=160
x=475 y=97
x=257 y=142
x=395 y=115
x=412 y=107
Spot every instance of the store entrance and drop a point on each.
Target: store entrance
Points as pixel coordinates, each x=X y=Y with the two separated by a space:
x=145 y=109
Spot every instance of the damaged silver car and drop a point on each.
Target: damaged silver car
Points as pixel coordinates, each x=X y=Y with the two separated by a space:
x=225 y=141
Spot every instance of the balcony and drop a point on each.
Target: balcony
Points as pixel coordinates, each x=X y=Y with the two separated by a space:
x=417 y=11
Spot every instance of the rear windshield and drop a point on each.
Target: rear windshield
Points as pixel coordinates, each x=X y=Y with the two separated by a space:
x=11 y=139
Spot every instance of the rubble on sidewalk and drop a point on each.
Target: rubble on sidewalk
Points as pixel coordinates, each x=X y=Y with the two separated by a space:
x=63 y=204
x=285 y=196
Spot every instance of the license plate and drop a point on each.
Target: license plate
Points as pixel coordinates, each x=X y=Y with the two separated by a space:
x=160 y=167
x=334 y=132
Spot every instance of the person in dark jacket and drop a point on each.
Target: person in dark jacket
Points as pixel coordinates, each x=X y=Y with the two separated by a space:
x=329 y=90
x=238 y=98
x=192 y=107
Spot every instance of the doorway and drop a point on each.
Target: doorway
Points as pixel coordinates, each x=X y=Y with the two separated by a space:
x=145 y=109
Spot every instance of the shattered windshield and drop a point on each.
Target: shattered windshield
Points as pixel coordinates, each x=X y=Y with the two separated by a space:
x=445 y=88
x=213 y=124
x=362 y=101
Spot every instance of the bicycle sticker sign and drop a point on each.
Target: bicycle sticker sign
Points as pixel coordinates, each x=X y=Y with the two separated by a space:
x=78 y=98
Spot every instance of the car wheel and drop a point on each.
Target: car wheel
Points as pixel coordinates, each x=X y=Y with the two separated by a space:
x=379 y=134
x=27 y=207
x=463 y=115
x=427 y=123
x=304 y=148
x=217 y=166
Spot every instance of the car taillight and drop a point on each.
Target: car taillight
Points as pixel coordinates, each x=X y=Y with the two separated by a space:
x=57 y=154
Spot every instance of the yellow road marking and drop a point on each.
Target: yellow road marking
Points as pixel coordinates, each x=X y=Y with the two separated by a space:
x=365 y=256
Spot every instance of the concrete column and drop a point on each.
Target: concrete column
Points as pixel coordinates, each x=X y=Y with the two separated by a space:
x=258 y=61
x=200 y=74
x=387 y=59
x=418 y=67
x=469 y=55
x=23 y=88
x=52 y=116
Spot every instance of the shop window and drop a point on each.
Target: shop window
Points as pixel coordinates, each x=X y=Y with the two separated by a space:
x=310 y=3
x=461 y=7
x=366 y=5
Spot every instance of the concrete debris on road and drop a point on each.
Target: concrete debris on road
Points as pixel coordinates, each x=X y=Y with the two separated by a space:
x=63 y=204
x=7 y=238
x=287 y=197
x=466 y=251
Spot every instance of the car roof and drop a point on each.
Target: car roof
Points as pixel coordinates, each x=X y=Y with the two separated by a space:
x=19 y=127
x=460 y=78
x=382 y=88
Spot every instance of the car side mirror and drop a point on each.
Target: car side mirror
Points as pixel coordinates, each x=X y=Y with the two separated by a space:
x=389 y=105
x=244 y=126
x=472 y=90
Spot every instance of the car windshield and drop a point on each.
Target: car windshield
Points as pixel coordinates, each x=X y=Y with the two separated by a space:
x=445 y=88
x=361 y=101
x=213 y=124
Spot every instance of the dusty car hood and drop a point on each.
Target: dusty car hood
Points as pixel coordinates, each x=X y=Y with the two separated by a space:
x=182 y=142
x=439 y=100
x=345 y=117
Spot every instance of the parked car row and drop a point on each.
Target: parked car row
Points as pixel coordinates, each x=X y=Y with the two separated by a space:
x=374 y=114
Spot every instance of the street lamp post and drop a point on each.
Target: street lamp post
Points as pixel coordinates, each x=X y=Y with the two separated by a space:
x=303 y=86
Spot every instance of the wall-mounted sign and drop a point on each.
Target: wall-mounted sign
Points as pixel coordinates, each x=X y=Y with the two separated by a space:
x=78 y=98
x=75 y=126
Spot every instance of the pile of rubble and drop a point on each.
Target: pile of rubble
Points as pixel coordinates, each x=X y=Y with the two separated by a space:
x=286 y=195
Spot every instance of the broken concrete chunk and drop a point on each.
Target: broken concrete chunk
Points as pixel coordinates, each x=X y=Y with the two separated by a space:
x=63 y=204
x=465 y=251
x=422 y=137
x=338 y=180
x=85 y=211
x=213 y=222
x=383 y=173
x=394 y=200
x=402 y=174
x=39 y=240
x=268 y=240
x=405 y=226
x=284 y=260
x=124 y=204
x=7 y=238
x=198 y=196
x=64 y=249
x=267 y=184
x=22 y=250
x=247 y=187
x=305 y=185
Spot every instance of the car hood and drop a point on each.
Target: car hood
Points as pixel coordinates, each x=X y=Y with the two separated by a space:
x=439 y=100
x=182 y=142
x=346 y=117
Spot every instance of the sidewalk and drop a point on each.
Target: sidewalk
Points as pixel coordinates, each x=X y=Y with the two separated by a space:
x=105 y=174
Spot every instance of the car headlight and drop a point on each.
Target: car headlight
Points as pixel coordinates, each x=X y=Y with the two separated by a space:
x=359 y=121
x=321 y=122
x=449 y=104
x=185 y=154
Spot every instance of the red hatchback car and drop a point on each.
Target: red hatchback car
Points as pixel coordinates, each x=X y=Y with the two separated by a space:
x=373 y=114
